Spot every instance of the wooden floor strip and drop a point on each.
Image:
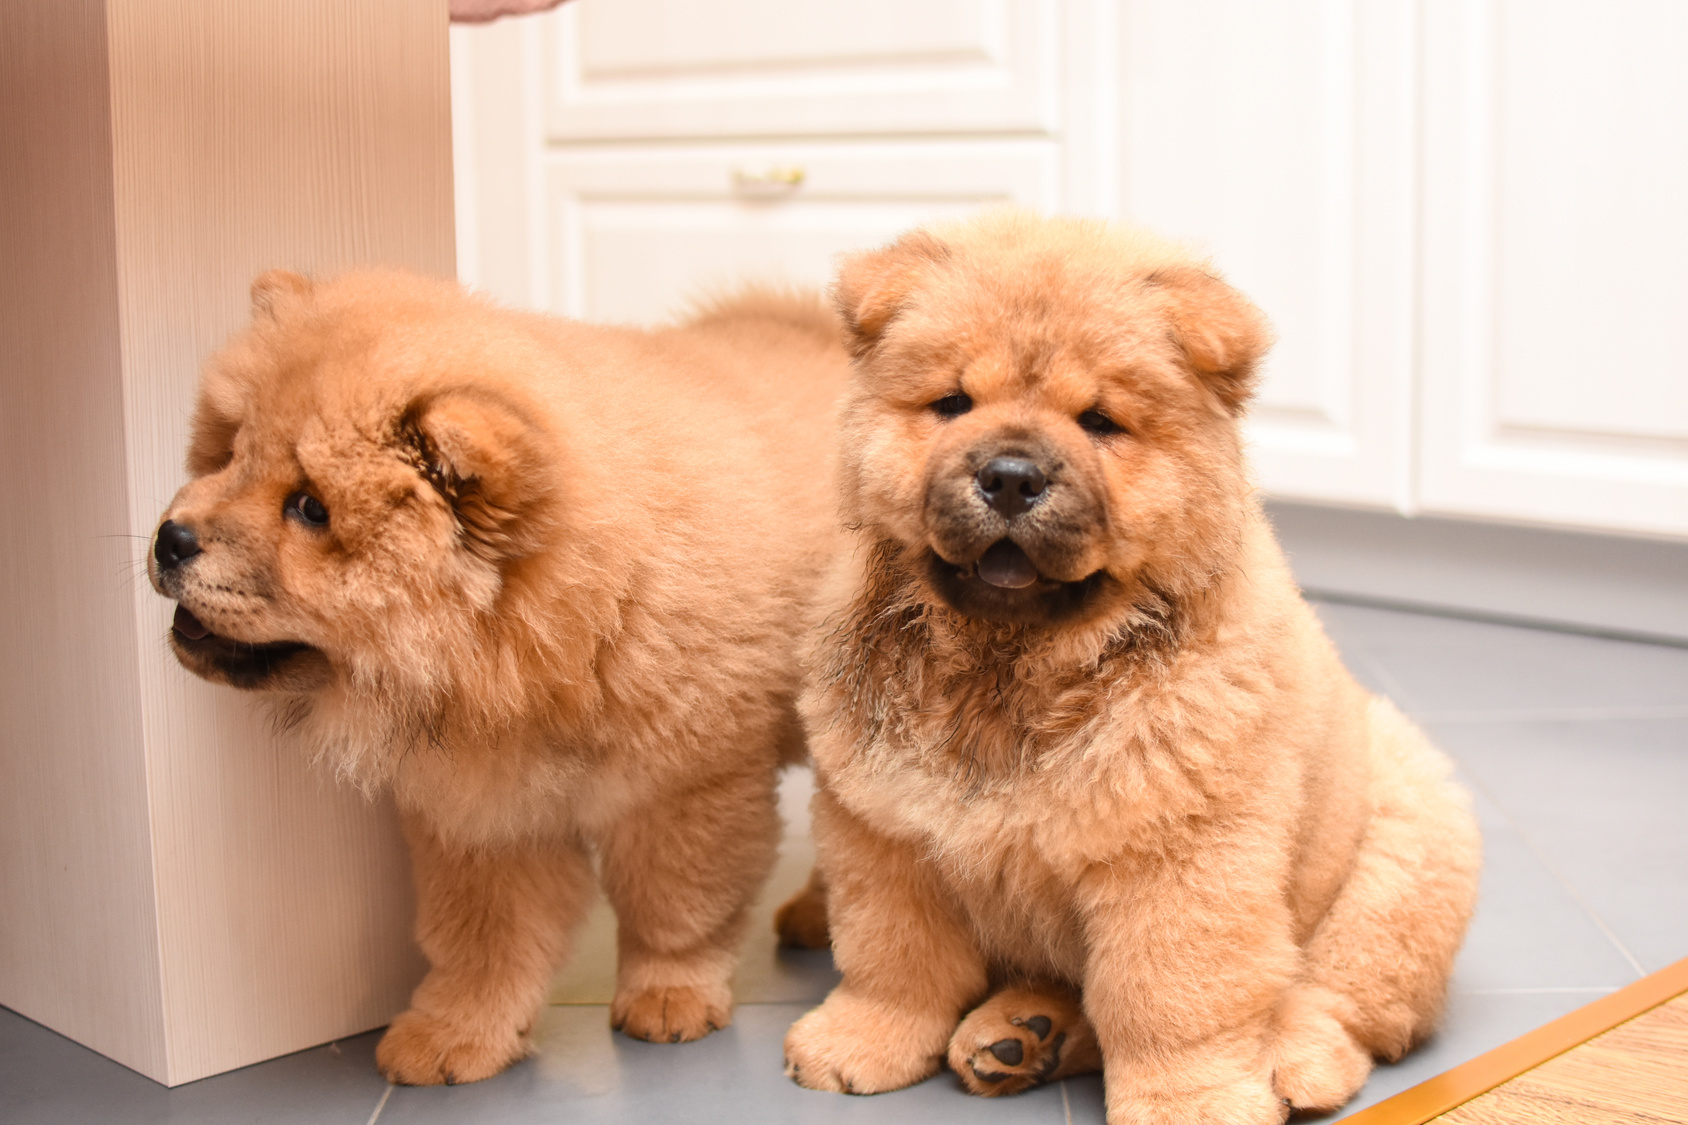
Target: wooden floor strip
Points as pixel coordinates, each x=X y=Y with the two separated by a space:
x=1453 y=1089
x=1635 y=1074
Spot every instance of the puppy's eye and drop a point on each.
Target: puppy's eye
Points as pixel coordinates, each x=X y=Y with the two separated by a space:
x=1096 y=422
x=952 y=406
x=306 y=508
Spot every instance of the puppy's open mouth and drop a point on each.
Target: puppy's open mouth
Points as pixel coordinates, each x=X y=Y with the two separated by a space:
x=238 y=663
x=1003 y=584
x=188 y=627
x=1006 y=566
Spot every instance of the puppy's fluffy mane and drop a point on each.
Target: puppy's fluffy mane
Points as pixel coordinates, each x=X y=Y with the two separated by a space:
x=1002 y=694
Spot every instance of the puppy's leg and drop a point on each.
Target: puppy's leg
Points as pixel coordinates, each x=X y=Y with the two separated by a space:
x=681 y=873
x=1378 y=964
x=910 y=967
x=495 y=923
x=1023 y=1036
x=801 y=921
x=1186 y=964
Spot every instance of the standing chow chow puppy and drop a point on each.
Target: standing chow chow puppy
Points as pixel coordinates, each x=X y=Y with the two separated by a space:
x=541 y=579
x=1095 y=789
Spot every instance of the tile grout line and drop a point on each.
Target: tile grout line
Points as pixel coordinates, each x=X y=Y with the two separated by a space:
x=1396 y=694
x=1551 y=715
x=1553 y=870
x=380 y=1105
x=1066 y=1106
x=1361 y=654
x=1365 y=656
x=1574 y=990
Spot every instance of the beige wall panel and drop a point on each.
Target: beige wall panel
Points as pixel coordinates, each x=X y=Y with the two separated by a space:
x=78 y=935
x=181 y=891
x=312 y=134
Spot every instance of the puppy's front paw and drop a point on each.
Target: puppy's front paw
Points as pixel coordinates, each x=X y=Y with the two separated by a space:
x=1316 y=1064
x=854 y=1046
x=671 y=1013
x=1245 y=1100
x=1019 y=1038
x=425 y=1050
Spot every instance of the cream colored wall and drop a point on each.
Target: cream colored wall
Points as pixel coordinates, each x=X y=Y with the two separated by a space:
x=182 y=892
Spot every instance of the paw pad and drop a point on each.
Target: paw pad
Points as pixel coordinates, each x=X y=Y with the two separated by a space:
x=1021 y=1037
x=1039 y=1026
x=1013 y=1064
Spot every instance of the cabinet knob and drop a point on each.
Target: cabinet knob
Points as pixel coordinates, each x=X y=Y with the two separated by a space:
x=768 y=181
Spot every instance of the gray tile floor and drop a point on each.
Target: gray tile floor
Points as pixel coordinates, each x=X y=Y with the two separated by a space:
x=1577 y=748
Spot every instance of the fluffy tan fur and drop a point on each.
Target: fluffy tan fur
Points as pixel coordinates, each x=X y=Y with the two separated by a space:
x=552 y=602
x=1130 y=811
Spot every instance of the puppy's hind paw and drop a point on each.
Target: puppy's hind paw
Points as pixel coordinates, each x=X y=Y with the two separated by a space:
x=801 y=920
x=426 y=1050
x=1022 y=1037
x=675 y=1014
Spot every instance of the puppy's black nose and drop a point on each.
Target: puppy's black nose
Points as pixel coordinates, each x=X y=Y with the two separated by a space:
x=175 y=545
x=1011 y=484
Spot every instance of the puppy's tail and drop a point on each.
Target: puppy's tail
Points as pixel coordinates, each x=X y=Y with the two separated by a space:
x=803 y=309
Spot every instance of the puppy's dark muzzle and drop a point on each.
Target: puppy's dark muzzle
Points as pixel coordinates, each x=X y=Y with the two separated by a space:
x=1011 y=485
x=174 y=545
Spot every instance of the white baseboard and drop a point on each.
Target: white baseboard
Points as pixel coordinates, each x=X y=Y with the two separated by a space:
x=1607 y=585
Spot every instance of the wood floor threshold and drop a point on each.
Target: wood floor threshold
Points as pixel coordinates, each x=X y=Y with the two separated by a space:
x=1453 y=1088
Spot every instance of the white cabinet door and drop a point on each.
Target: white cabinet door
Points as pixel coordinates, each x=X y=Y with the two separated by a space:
x=1555 y=332
x=1464 y=217
x=1280 y=137
x=726 y=68
x=632 y=230
x=637 y=235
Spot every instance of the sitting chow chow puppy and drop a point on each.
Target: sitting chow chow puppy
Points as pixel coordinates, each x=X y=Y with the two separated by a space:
x=541 y=579
x=1095 y=789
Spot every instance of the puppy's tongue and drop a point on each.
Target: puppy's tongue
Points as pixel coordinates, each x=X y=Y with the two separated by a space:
x=189 y=626
x=1007 y=566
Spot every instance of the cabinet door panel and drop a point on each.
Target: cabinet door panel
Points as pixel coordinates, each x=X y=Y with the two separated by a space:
x=639 y=235
x=1279 y=137
x=1556 y=262
x=674 y=37
x=678 y=68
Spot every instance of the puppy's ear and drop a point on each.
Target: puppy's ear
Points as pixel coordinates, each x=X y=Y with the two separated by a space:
x=487 y=461
x=1220 y=331
x=872 y=287
x=211 y=440
x=274 y=289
